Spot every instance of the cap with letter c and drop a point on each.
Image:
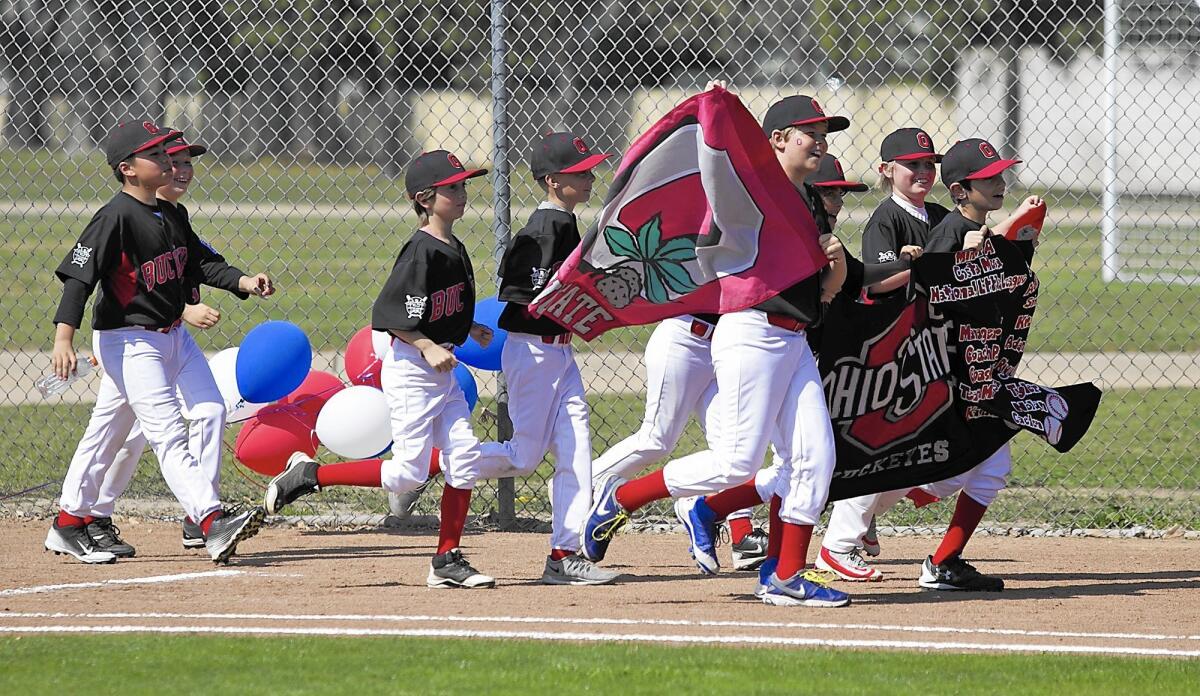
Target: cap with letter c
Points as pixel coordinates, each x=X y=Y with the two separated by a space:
x=436 y=168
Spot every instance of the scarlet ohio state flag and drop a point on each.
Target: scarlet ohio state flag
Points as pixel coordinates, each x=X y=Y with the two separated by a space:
x=700 y=218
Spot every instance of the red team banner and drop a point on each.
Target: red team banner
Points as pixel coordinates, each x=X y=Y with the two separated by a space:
x=699 y=219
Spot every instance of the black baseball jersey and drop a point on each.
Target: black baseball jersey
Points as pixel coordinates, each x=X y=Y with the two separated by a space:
x=892 y=227
x=145 y=263
x=950 y=233
x=431 y=290
x=532 y=257
x=802 y=301
x=215 y=271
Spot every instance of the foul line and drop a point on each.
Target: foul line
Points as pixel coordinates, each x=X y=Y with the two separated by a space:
x=612 y=637
x=425 y=618
x=154 y=579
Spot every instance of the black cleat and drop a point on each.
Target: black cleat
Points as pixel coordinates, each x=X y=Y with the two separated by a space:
x=957 y=574
x=108 y=538
x=450 y=569
x=74 y=541
x=227 y=531
x=298 y=479
x=751 y=551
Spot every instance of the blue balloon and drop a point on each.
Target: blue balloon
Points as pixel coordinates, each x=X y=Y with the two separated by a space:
x=272 y=361
x=467 y=382
x=487 y=312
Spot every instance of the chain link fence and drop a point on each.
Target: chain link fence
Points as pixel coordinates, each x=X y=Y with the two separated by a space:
x=311 y=111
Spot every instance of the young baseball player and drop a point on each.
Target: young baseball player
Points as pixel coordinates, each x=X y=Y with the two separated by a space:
x=899 y=225
x=546 y=398
x=972 y=170
x=767 y=382
x=218 y=273
x=425 y=309
x=146 y=265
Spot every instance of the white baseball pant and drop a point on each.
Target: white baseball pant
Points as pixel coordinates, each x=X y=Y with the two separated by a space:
x=767 y=382
x=850 y=518
x=549 y=412
x=428 y=410
x=150 y=377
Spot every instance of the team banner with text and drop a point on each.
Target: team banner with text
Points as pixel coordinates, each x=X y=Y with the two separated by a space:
x=699 y=219
x=924 y=390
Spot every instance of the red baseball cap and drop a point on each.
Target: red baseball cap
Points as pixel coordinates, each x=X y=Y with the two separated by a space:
x=436 y=168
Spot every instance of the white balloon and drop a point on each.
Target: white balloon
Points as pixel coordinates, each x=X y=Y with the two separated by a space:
x=356 y=422
x=224 y=369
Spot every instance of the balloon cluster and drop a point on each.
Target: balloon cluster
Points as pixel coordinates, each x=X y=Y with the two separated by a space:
x=268 y=382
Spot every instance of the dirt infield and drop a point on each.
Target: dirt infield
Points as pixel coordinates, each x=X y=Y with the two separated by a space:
x=1118 y=596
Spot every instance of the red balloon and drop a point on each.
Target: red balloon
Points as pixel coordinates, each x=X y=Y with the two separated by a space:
x=362 y=365
x=314 y=391
x=270 y=437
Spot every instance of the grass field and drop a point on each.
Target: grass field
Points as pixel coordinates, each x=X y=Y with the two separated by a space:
x=1109 y=479
x=287 y=665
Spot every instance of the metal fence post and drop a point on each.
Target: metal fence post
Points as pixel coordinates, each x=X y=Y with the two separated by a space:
x=506 y=490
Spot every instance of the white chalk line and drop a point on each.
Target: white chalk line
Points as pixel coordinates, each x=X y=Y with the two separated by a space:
x=615 y=638
x=151 y=580
x=423 y=618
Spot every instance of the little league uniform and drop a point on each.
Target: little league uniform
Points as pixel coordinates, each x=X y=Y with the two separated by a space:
x=146 y=264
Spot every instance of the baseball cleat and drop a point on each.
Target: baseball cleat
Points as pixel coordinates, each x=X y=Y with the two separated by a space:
x=450 y=570
x=957 y=574
x=806 y=588
x=870 y=540
x=107 y=537
x=74 y=541
x=765 y=571
x=299 y=478
x=402 y=505
x=605 y=519
x=576 y=570
x=193 y=536
x=847 y=566
x=229 y=530
x=701 y=524
x=751 y=551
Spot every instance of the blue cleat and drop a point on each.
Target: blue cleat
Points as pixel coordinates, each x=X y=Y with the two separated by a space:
x=765 y=571
x=701 y=524
x=605 y=519
x=806 y=588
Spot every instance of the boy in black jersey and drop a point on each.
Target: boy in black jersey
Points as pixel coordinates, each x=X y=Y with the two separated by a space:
x=546 y=397
x=425 y=309
x=146 y=265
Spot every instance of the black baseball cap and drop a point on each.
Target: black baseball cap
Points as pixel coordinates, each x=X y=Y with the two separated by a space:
x=436 y=168
x=800 y=110
x=907 y=144
x=830 y=175
x=180 y=144
x=973 y=158
x=556 y=153
x=128 y=138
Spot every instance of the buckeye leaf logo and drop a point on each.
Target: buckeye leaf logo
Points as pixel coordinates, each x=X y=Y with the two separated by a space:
x=661 y=261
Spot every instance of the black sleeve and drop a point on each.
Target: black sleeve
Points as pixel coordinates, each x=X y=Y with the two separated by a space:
x=526 y=267
x=96 y=253
x=404 y=301
x=211 y=268
x=74 y=298
x=854 y=277
x=878 y=272
x=879 y=241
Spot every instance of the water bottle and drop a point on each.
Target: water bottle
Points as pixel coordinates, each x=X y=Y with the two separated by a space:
x=53 y=385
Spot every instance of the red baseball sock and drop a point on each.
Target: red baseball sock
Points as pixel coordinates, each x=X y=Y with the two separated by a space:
x=364 y=474
x=88 y=519
x=774 y=528
x=456 y=502
x=967 y=514
x=739 y=529
x=435 y=463
x=733 y=499
x=559 y=554
x=211 y=517
x=642 y=491
x=921 y=497
x=793 y=550
x=66 y=519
